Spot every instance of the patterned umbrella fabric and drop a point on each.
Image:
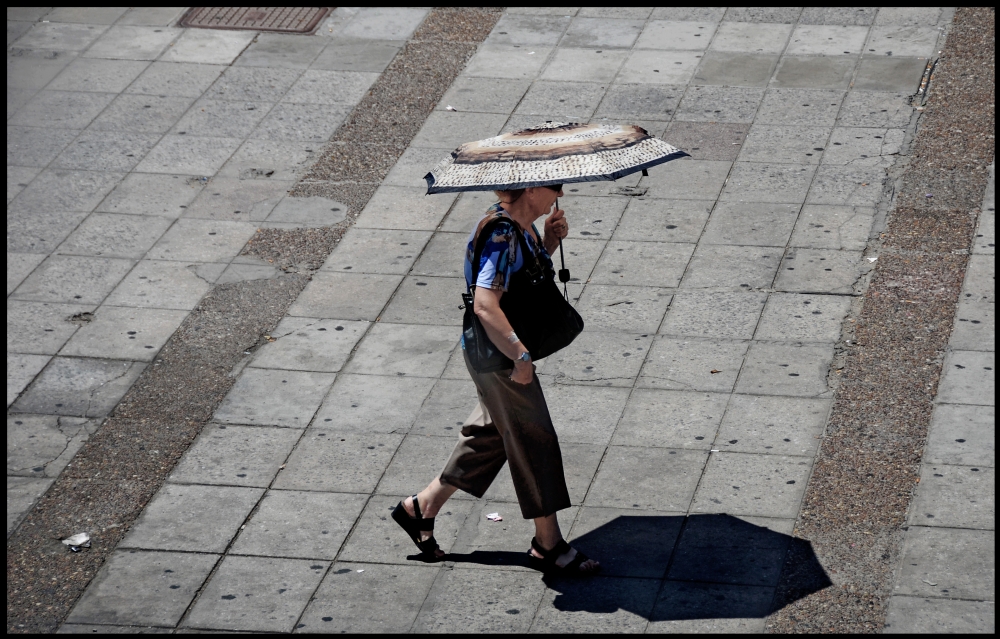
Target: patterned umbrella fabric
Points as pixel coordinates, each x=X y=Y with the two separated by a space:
x=554 y=153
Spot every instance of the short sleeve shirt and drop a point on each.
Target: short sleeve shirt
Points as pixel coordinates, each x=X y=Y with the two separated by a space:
x=501 y=256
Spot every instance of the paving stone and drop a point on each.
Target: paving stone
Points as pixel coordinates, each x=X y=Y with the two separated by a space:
x=985 y=240
x=21 y=369
x=853 y=185
x=580 y=462
x=671 y=419
x=698 y=14
x=317 y=86
x=377 y=251
x=601 y=32
x=191 y=240
x=209 y=46
x=802 y=107
x=80 y=280
x=151 y=16
x=30 y=14
x=143 y=114
x=528 y=30
x=704 y=314
x=485 y=95
x=443 y=411
x=222 y=118
x=30 y=70
x=396 y=207
x=909 y=615
x=633 y=13
x=236 y=455
x=192 y=518
x=362 y=404
x=21 y=495
x=488 y=605
x=30 y=230
x=769 y=486
x=667 y=34
x=264 y=160
x=687 y=364
x=799 y=370
x=274 y=397
x=254 y=84
x=346 y=296
x=61 y=109
x=189 y=155
x=312 y=211
x=131 y=42
x=751 y=224
x=384 y=23
x=616 y=535
x=468 y=209
x=870 y=109
x=419 y=459
x=301 y=122
x=838 y=15
x=379 y=597
x=803 y=318
x=955 y=497
x=640 y=101
x=763 y=14
x=256 y=593
x=819 y=271
x=822 y=226
x=93 y=15
x=583 y=65
x=19 y=266
x=281 y=50
x=719 y=104
x=624 y=480
x=18 y=177
x=103 y=76
x=40 y=328
x=378 y=538
x=658 y=67
x=810 y=72
x=111 y=235
x=890 y=74
x=631 y=309
x=137 y=588
x=581 y=257
x=427 y=300
x=155 y=284
x=237 y=200
x=243 y=272
x=773 y=425
x=602 y=359
x=507 y=61
x=175 y=79
x=959 y=563
x=963 y=435
x=399 y=349
x=331 y=461
x=732 y=266
x=306 y=344
x=902 y=41
x=751 y=38
x=663 y=220
x=980 y=279
x=907 y=16
x=276 y=527
x=585 y=415
x=626 y=605
x=135 y=334
x=734 y=70
x=687 y=180
x=769 y=182
x=67 y=190
x=16 y=29
x=61 y=37
x=152 y=194
x=694 y=608
x=371 y=56
x=642 y=263
x=828 y=40
x=577 y=100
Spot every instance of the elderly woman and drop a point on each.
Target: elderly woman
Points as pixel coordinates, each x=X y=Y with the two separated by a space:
x=511 y=423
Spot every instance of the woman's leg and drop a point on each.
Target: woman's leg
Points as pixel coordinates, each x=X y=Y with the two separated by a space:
x=548 y=535
x=430 y=501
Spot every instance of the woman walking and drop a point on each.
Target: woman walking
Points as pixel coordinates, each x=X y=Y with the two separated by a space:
x=512 y=423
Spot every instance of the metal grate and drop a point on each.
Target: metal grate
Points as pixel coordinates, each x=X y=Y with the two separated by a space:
x=279 y=19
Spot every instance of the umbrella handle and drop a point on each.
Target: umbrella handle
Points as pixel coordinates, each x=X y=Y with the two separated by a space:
x=563 y=272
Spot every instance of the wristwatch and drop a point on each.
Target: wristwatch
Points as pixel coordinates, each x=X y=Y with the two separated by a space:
x=524 y=357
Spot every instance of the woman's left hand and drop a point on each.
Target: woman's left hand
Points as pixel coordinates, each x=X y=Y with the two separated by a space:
x=556 y=228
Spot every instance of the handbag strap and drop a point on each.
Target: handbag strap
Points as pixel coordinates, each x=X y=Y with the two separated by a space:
x=481 y=245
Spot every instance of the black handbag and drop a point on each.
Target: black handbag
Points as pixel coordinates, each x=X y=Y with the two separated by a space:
x=543 y=319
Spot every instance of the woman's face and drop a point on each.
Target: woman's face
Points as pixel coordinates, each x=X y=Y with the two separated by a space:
x=542 y=198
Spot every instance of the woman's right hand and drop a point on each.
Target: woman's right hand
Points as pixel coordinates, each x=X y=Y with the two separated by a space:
x=523 y=373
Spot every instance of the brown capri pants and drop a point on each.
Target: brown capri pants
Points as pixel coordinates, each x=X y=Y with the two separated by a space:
x=512 y=424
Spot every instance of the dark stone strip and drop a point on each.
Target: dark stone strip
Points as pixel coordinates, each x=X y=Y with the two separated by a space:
x=110 y=480
x=855 y=507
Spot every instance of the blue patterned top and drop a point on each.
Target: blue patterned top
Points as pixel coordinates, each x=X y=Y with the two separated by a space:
x=501 y=256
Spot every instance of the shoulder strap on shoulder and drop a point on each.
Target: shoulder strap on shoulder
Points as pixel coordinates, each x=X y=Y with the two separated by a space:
x=485 y=230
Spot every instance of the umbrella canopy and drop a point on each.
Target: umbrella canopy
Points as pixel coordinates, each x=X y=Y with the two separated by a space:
x=554 y=153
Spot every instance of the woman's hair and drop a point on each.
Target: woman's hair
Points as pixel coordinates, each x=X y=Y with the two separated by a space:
x=509 y=197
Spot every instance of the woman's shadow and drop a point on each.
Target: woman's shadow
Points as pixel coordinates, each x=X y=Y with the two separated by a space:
x=668 y=568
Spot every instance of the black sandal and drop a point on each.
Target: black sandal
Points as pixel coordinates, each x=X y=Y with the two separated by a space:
x=547 y=562
x=414 y=526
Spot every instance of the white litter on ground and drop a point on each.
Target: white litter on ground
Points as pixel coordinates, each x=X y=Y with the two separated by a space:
x=494 y=517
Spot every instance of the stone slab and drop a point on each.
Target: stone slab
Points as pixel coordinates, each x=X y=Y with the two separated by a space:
x=720 y=265
x=768 y=182
x=444 y=410
x=40 y=328
x=222 y=118
x=384 y=23
x=577 y=100
x=135 y=334
x=507 y=61
x=980 y=279
x=870 y=109
x=274 y=397
x=281 y=50
x=192 y=518
x=262 y=160
x=801 y=107
x=671 y=419
x=404 y=208
x=615 y=535
x=312 y=211
x=176 y=79
x=151 y=16
x=820 y=271
x=855 y=185
x=400 y=349
x=443 y=256
x=890 y=74
x=719 y=104
x=419 y=459
x=961 y=434
x=585 y=415
x=61 y=36
x=630 y=309
x=347 y=296
x=968 y=378
x=18 y=178
x=299 y=524
x=326 y=460
x=668 y=221
x=658 y=67
x=687 y=364
x=601 y=65
x=690 y=607
x=22 y=492
x=371 y=56
x=446 y=130
x=113 y=235
x=916 y=41
x=209 y=46
x=305 y=344
x=975 y=326
x=640 y=101
x=704 y=314
x=803 y=318
x=775 y=368
x=234 y=199
x=751 y=224
x=139 y=588
x=78 y=387
x=152 y=194
x=235 y=456
x=601 y=359
x=42 y=445
x=133 y=42
x=143 y=114
x=625 y=605
x=256 y=593
x=850 y=145
x=959 y=564
x=514 y=28
x=387 y=252
x=751 y=38
x=735 y=70
x=66 y=190
x=911 y=615
x=492 y=601
x=955 y=496
x=687 y=180
x=379 y=598
x=367 y=404
x=20 y=266
x=810 y=72
x=21 y=370
x=190 y=156
x=748 y=484
x=835 y=227
x=30 y=230
x=827 y=39
x=626 y=263
x=773 y=425
x=624 y=480
x=673 y=34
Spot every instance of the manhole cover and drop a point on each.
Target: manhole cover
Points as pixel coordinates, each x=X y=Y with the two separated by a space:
x=280 y=19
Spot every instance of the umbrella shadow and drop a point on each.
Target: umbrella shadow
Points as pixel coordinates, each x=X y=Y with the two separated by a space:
x=668 y=568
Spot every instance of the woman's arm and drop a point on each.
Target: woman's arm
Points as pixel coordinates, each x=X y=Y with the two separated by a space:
x=499 y=330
